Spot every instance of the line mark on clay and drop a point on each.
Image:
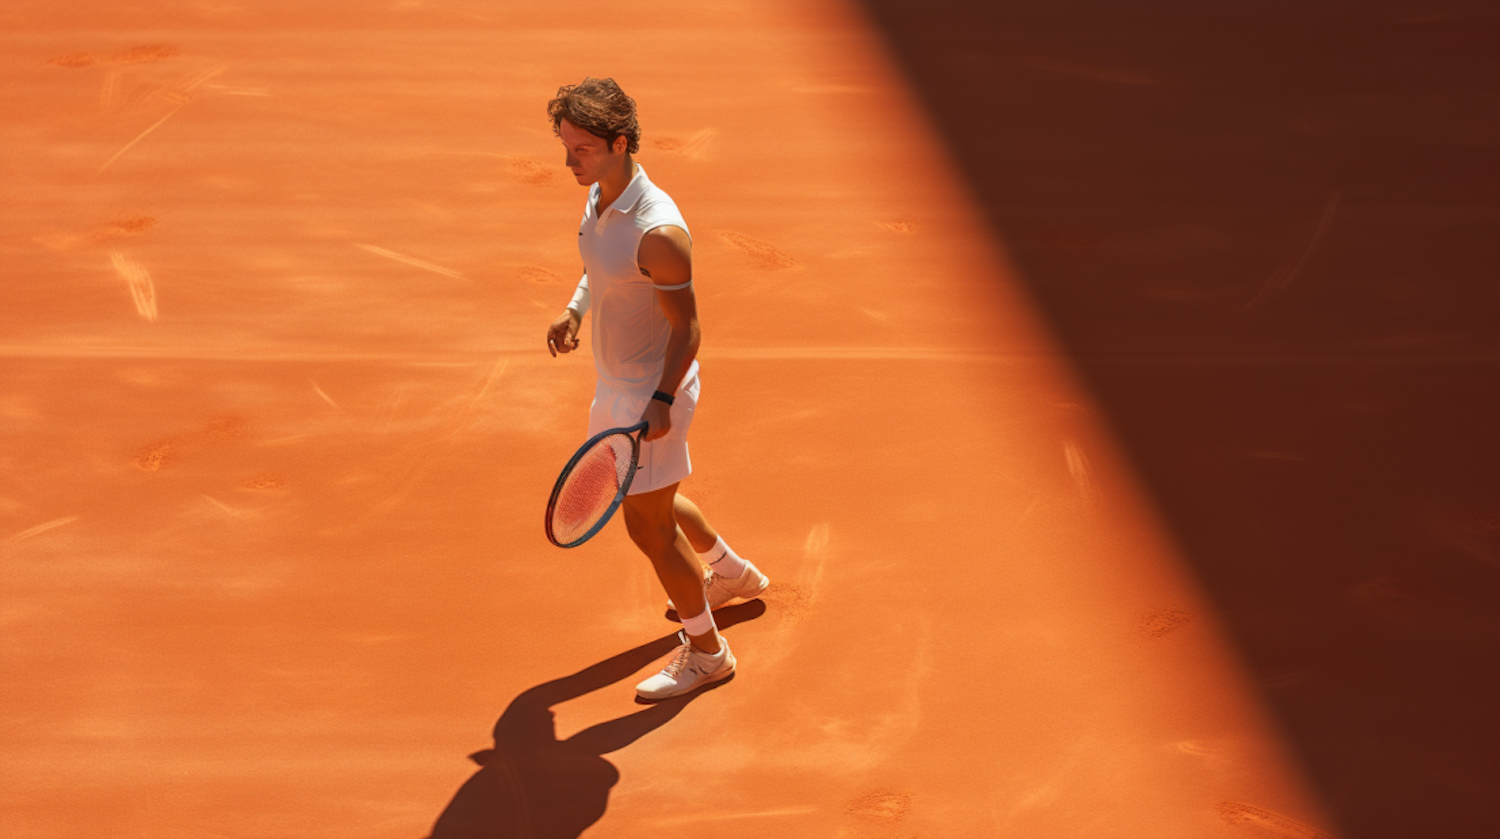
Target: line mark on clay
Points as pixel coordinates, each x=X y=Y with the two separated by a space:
x=1078 y=467
x=141 y=136
x=415 y=263
x=320 y=392
x=496 y=372
x=42 y=528
x=815 y=551
x=225 y=507
x=1288 y=272
x=142 y=290
x=110 y=89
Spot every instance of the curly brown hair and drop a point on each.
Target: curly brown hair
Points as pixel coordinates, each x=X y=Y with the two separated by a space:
x=599 y=107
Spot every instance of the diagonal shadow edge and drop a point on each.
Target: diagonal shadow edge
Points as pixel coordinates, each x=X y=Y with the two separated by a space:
x=1147 y=168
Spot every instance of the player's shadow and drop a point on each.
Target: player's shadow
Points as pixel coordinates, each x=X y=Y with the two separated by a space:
x=535 y=786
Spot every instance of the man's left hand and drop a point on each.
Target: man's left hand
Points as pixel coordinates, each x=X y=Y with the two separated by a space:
x=658 y=418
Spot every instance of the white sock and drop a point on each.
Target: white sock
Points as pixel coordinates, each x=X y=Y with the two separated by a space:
x=700 y=625
x=724 y=561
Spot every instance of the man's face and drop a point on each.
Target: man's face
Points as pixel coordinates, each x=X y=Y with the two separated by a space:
x=589 y=157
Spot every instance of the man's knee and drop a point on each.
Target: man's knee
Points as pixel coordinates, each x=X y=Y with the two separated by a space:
x=651 y=526
x=642 y=531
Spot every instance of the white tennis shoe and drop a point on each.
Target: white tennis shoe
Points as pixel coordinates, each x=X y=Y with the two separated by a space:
x=690 y=669
x=720 y=590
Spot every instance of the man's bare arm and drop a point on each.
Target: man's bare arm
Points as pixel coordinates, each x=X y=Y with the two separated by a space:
x=666 y=256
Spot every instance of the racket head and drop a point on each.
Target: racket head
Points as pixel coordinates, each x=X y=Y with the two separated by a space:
x=593 y=485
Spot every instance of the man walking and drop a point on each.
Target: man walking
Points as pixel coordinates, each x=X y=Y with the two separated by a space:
x=638 y=283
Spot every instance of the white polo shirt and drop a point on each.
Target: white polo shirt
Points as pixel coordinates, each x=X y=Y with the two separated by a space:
x=629 y=330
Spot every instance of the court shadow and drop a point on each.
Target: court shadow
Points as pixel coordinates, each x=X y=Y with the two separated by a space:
x=1277 y=279
x=533 y=785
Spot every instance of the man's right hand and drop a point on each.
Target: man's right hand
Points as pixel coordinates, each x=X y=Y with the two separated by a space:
x=562 y=335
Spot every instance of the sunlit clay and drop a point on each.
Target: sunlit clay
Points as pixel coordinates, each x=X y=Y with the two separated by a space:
x=280 y=426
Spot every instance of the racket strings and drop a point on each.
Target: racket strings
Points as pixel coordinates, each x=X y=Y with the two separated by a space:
x=591 y=487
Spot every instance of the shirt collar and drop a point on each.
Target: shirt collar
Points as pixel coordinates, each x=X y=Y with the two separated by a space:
x=633 y=191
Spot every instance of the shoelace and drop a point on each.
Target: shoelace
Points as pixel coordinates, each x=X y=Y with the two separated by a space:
x=680 y=661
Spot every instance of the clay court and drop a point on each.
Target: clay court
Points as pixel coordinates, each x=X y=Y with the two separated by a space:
x=1109 y=487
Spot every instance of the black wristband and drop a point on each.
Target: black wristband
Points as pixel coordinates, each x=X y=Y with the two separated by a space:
x=663 y=397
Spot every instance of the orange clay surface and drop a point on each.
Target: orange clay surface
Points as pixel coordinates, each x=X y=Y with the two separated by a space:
x=279 y=426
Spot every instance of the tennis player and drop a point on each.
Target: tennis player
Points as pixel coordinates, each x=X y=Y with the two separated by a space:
x=638 y=282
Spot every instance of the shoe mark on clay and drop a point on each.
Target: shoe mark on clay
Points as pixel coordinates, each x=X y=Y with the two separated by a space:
x=531 y=172
x=124 y=226
x=902 y=226
x=537 y=275
x=263 y=482
x=878 y=815
x=153 y=457
x=119 y=228
x=1160 y=622
x=220 y=429
x=145 y=54
x=881 y=805
x=692 y=148
x=142 y=290
x=156 y=456
x=794 y=599
x=1239 y=814
x=761 y=255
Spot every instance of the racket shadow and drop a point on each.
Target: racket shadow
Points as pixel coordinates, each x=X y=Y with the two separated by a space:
x=531 y=784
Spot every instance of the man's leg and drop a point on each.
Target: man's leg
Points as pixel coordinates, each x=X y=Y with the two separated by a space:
x=651 y=520
x=733 y=576
x=700 y=534
x=705 y=658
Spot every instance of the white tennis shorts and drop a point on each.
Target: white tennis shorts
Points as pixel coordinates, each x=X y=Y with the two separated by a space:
x=665 y=461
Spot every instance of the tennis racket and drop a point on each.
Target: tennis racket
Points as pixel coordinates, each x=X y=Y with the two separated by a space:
x=592 y=485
